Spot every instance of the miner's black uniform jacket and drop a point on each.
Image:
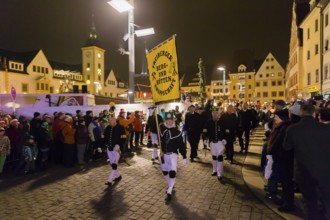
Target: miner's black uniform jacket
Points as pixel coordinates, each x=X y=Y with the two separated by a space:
x=171 y=140
x=213 y=131
x=114 y=135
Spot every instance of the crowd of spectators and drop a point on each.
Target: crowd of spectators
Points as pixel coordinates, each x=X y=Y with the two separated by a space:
x=31 y=145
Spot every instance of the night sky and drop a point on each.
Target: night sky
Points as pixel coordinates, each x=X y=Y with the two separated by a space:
x=211 y=29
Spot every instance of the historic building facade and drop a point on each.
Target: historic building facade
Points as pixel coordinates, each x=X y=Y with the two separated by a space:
x=241 y=85
x=269 y=81
x=32 y=72
x=294 y=71
x=326 y=50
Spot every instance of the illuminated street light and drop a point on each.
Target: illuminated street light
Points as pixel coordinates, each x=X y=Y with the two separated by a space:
x=122 y=6
x=144 y=32
x=221 y=68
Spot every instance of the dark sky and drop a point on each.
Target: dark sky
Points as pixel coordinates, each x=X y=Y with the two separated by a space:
x=211 y=29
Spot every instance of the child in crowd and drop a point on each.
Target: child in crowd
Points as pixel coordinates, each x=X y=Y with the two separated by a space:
x=4 y=148
x=30 y=152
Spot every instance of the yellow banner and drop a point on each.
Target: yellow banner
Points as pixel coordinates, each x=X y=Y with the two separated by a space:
x=163 y=70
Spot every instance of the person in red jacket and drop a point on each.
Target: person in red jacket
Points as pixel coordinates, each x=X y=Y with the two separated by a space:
x=137 y=129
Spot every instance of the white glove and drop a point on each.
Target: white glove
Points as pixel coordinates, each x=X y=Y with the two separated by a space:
x=205 y=142
x=99 y=150
x=224 y=142
x=116 y=148
x=184 y=161
x=268 y=168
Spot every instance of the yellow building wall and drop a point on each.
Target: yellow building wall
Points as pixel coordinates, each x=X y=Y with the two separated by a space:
x=269 y=81
x=311 y=53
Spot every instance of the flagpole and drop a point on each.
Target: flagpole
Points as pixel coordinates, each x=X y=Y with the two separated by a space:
x=158 y=132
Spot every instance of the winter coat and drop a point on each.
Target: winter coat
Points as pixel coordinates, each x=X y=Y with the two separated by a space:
x=68 y=133
x=4 y=146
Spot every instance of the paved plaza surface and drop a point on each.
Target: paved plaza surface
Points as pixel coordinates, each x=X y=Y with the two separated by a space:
x=81 y=194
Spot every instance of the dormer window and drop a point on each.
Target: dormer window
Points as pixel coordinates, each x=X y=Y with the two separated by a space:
x=16 y=66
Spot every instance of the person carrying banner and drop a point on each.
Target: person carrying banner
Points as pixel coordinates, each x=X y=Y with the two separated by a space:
x=114 y=136
x=216 y=137
x=152 y=126
x=171 y=143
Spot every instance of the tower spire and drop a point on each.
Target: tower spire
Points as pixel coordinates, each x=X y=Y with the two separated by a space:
x=92 y=39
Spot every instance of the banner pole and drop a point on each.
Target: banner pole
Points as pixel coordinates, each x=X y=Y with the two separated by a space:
x=158 y=129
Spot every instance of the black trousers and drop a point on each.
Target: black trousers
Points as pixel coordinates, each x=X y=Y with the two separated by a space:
x=137 y=136
x=193 y=141
x=312 y=190
x=286 y=177
x=230 y=150
x=68 y=154
x=246 y=132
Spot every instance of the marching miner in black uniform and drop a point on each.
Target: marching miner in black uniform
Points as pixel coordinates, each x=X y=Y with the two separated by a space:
x=114 y=136
x=171 y=142
x=216 y=137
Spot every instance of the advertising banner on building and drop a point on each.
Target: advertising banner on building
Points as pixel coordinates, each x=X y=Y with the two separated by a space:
x=163 y=70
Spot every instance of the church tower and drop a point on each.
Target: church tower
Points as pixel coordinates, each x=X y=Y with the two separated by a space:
x=93 y=63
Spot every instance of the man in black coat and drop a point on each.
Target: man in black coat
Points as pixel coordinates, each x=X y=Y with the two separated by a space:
x=193 y=127
x=229 y=122
x=204 y=117
x=153 y=127
x=310 y=141
x=246 y=122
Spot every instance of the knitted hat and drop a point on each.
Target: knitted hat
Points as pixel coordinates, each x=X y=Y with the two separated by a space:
x=283 y=114
x=36 y=114
x=280 y=102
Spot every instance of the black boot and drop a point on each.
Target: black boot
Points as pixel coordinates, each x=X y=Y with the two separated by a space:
x=168 y=197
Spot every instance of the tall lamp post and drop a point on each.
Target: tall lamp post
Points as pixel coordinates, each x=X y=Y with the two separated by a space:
x=223 y=69
x=122 y=6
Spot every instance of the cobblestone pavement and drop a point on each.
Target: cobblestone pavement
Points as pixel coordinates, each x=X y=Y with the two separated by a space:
x=75 y=194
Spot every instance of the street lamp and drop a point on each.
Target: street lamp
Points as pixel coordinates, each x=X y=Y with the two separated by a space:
x=221 y=68
x=129 y=93
x=122 y=6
